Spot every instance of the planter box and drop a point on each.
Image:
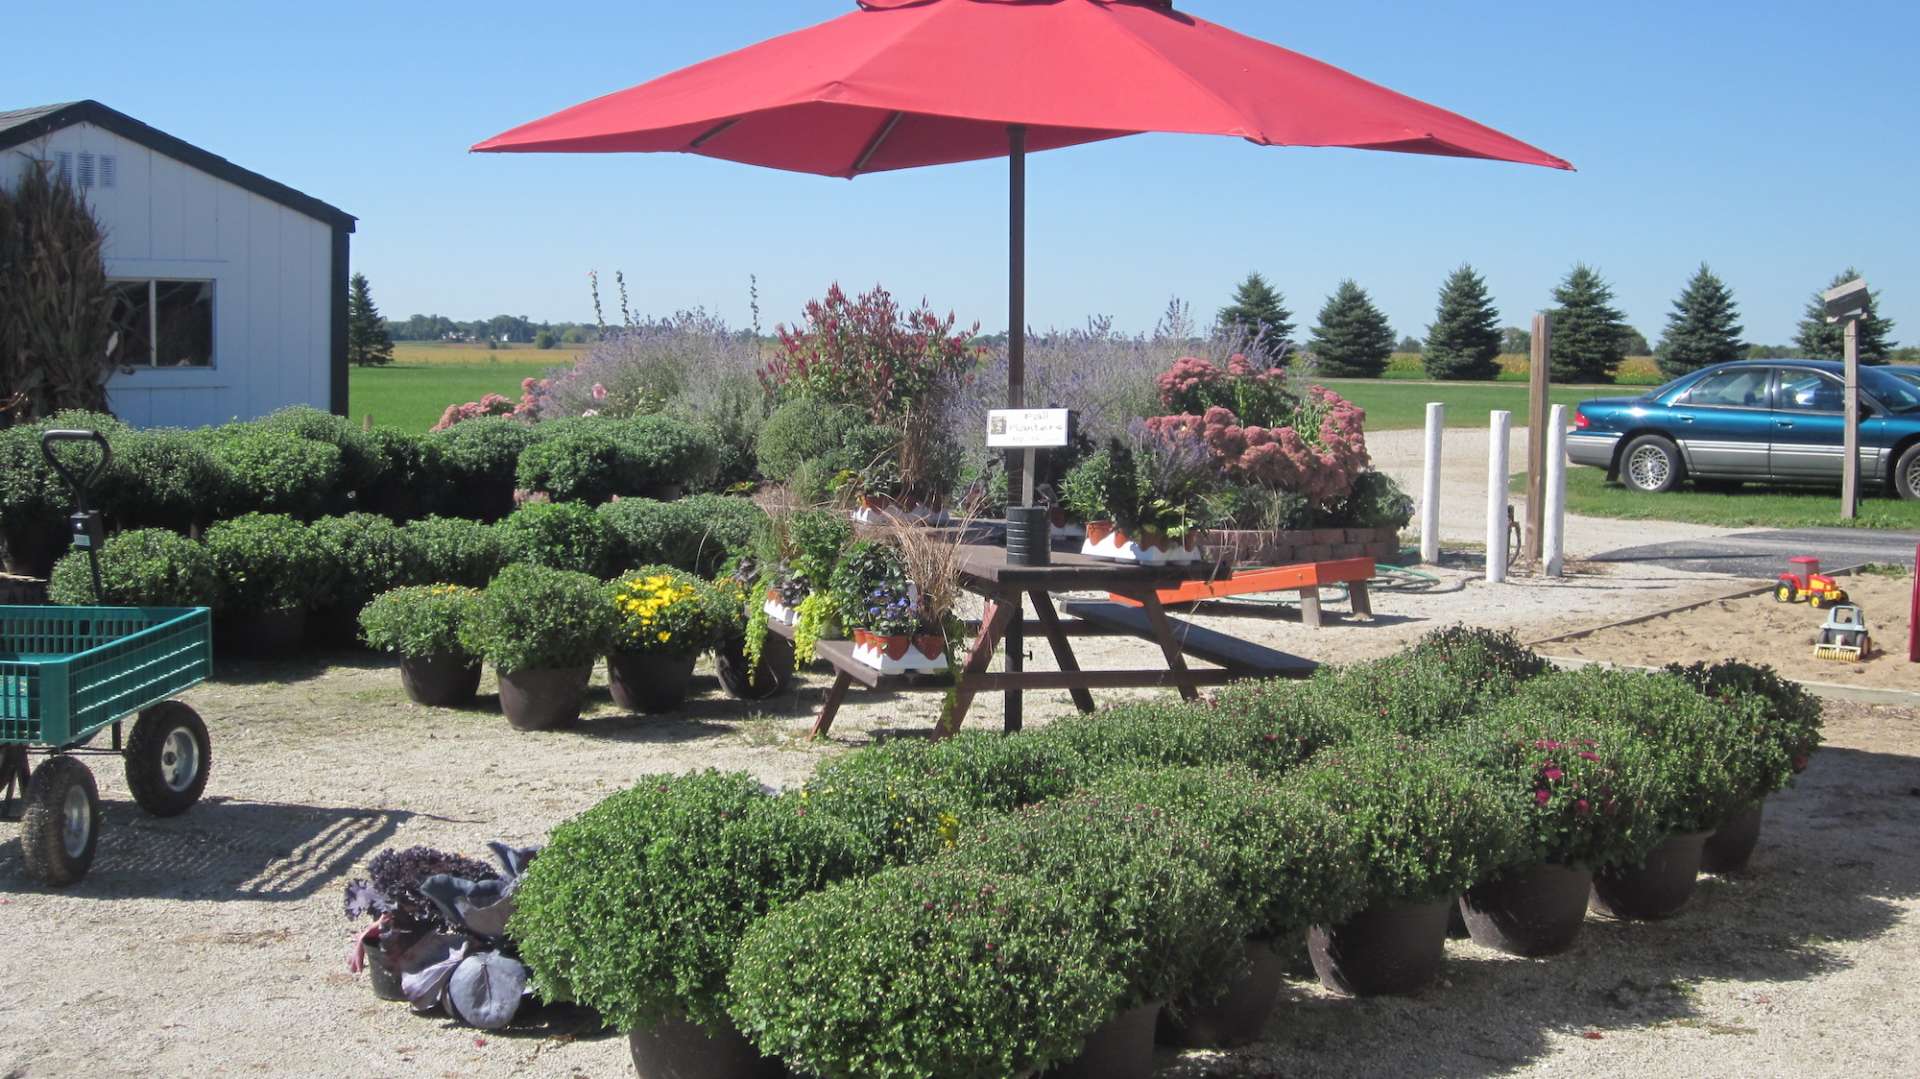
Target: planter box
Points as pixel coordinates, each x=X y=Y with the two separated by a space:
x=900 y=655
x=1105 y=541
x=1249 y=548
x=780 y=612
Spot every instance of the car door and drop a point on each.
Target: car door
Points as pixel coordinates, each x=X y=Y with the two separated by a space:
x=1723 y=423
x=1810 y=428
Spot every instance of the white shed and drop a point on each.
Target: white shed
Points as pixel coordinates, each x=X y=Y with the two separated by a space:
x=231 y=288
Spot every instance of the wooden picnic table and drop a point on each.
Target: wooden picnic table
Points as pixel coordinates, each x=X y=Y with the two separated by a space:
x=1006 y=588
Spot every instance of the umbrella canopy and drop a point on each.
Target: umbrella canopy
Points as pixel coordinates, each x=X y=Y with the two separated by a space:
x=904 y=83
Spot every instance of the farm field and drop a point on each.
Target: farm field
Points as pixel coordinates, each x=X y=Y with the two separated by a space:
x=1636 y=371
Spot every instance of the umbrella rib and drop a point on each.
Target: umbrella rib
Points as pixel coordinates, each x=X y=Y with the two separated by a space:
x=879 y=137
x=712 y=132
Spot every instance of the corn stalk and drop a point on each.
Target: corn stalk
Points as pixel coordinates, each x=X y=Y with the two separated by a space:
x=56 y=309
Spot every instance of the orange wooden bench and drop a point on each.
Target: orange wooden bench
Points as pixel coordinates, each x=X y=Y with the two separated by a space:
x=1306 y=578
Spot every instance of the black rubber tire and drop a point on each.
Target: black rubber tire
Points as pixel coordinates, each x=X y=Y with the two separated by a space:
x=152 y=751
x=1786 y=593
x=1906 y=473
x=1656 y=480
x=43 y=837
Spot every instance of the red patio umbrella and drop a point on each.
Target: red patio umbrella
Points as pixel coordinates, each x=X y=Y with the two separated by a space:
x=903 y=83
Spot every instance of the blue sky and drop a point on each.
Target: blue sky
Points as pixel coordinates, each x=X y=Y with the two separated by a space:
x=1700 y=134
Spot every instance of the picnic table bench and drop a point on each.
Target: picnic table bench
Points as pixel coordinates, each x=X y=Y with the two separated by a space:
x=1007 y=588
x=1306 y=578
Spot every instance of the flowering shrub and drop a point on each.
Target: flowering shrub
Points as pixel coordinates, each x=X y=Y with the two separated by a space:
x=1793 y=718
x=636 y=906
x=492 y=404
x=926 y=970
x=663 y=611
x=869 y=353
x=1150 y=885
x=1260 y=396
x=420 y=621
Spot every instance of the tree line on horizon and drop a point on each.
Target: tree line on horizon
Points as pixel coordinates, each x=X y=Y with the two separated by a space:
x=1591 y=337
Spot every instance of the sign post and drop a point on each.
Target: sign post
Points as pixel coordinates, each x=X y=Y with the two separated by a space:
x=1847 y=304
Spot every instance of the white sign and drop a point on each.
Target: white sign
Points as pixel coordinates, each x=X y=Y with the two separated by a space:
x=1029 y=428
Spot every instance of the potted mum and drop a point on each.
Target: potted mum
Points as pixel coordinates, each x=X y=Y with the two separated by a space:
x=1792 y=725
x=271 y=569
x=1142 y=497
x=421 y=624
x=666 y=619
x=542 y=629
x=636 y=906
x=1429 y=828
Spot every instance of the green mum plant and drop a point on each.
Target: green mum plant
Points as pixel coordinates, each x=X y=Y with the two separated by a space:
x=1287 y=862
x=911 y=813
x=924 y=970
x=267 y=562
x=144 y=568
x=534 y=618
x=1281 y=723
x=366 y=555
x=636 y=907
x=1429 y=827
x=1709 y=755
x=559 y=535
x=1149 y=881
x=453 y=550
x=1793 y=715
x=1158 y=733
x=1479 y=655
x=420 y=621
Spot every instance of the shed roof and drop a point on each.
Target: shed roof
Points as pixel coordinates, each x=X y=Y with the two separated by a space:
x=19 y=126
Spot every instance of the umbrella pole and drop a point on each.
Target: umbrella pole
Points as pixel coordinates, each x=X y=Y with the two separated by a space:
x=1019 y=477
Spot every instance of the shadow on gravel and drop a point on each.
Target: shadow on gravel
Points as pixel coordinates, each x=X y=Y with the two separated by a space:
x=1836 y=862
x=222 y=849
x=309 y=665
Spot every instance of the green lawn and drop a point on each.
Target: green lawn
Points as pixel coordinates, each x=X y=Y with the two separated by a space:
x=413 y=396
x=1399 y=406
x=1589 y=493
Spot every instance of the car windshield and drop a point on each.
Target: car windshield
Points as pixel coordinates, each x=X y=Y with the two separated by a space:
x=1899 y=390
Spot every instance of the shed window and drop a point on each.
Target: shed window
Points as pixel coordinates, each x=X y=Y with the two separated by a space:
x=163 y=323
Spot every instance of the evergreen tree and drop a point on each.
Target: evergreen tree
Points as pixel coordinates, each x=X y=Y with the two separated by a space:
x=1589 y=333
x=1259 y=311
x=1703 y=329
x=1464 y=340
x=1353 y=339
x=368 y=344
x=1819 y=339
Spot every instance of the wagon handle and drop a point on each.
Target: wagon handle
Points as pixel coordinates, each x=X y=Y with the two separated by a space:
x=81 y=484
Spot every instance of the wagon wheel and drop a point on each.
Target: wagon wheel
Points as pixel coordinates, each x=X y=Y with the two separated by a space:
x=168 y=758
x=62 y=823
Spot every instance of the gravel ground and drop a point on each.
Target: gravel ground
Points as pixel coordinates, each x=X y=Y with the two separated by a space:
x=214 y=943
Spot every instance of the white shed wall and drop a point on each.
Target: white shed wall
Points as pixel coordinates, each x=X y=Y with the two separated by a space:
x=270 y=264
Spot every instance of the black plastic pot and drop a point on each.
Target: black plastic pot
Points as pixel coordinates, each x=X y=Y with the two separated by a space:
x=1029 y=535
x=1657 y=889
x=1121 y=1048
x=262 y=634
x=1382 y=951
x=770 y=679
x=447 y=680
x=383 y=964
x=1731 y=848
x=1237 y=1016
x=545 y=698
x=1537 y=910
x=676 y=1049
x=644 y=682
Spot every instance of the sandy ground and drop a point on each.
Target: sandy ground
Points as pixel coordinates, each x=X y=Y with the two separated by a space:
x=214 y=943
x=1760 y=630
x=1463 y=492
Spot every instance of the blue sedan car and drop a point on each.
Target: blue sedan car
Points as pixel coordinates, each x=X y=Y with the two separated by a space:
x=1775 y=421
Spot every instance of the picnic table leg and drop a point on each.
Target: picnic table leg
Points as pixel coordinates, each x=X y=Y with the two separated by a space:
x=1062 y=651
x=1163 y=633
x=1362 y=602
x=993 y=625
x=835 y=694
x=1016 y=640
x=1310 y=607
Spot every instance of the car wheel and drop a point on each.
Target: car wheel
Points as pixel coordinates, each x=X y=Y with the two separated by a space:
x=1906 y=473
x=1651 y=464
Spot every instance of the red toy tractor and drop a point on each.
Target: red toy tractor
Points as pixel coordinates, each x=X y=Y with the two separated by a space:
x=1806 y=582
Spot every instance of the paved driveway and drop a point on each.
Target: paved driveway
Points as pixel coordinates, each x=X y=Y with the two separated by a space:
x=1763 y=555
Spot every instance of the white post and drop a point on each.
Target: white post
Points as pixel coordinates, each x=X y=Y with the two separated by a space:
x=1497 y=479
x=1430 y=486
x=1556 y=524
